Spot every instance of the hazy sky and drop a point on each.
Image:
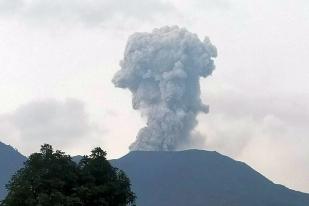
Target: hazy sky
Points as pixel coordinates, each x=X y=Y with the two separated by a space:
x=57 y=59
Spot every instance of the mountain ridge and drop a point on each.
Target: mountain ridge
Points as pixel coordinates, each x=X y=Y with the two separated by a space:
x=10 y=161
x=198 y=177
x=190 y=177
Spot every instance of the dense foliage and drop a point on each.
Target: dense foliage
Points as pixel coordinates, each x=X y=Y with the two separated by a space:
x=53 y=179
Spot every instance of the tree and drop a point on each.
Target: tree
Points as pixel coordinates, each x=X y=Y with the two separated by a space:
x=102 y=183
x=52 y=179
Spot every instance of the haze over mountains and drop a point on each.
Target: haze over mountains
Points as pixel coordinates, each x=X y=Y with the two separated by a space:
x=185 y=178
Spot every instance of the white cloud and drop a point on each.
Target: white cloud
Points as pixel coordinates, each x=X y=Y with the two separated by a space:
x=90 y=12
x=267 y=132
x=7 y=6
x=65 y=125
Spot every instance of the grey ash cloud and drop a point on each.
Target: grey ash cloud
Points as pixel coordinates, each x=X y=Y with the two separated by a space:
x=162 y=69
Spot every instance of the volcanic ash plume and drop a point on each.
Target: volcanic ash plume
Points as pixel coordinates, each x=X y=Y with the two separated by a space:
x=162 y=70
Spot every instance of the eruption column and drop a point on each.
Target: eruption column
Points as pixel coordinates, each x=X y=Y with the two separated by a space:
x=162 y=70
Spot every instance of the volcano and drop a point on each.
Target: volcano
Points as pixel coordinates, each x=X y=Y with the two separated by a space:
x=201 y=178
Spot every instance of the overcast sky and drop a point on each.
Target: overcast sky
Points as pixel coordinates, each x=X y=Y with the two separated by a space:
x=57 y=59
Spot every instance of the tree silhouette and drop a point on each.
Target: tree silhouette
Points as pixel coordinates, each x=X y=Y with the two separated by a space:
x=52 y=179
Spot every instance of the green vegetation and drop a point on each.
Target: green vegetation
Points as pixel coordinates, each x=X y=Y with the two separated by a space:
x=51 y=178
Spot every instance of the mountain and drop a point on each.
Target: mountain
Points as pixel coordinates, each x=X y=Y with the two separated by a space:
x=10 y=161
x=201 y=178
x=77 y=158
x=184 y=178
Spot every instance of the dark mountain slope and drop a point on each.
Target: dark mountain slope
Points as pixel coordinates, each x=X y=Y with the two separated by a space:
x=201 y=178
x=10 y=161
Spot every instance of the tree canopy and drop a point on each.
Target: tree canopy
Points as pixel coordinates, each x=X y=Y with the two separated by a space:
x=52 y=178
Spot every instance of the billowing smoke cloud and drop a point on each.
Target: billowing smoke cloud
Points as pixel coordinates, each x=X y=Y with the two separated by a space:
x=162 y=70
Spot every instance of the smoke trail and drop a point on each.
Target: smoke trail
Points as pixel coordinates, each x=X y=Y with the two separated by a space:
x=162 y=70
